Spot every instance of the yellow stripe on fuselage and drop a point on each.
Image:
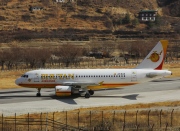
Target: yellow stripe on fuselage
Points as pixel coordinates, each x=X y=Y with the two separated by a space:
x=109 y=85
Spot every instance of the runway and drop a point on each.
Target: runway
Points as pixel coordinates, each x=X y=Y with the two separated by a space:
x=24 y=100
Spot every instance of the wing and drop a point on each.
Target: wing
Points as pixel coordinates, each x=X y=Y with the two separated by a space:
x=81 y=83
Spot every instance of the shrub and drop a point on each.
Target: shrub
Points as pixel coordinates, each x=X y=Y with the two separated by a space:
x=26 y=17
x=2 y=18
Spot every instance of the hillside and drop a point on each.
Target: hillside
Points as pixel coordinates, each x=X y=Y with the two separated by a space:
x=81 y=17
x=170 y=7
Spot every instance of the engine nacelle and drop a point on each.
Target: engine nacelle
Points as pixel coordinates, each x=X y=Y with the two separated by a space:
x=151 y=75
x=63 y=90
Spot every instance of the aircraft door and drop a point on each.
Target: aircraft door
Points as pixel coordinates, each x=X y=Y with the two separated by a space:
x=133 y=75
x=36 y=78
x=75 y=76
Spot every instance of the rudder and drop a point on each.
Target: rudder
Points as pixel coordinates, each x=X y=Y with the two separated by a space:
x=155 y=59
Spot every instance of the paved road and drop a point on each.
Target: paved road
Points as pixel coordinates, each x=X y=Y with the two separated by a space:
x=24 y=100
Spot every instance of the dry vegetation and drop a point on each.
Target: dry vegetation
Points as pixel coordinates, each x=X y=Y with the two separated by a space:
x=113 y=117
x=7 y=79
x=55 y=15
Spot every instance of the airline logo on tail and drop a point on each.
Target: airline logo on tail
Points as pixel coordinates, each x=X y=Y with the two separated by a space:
x=155 y=56
x=155 y=59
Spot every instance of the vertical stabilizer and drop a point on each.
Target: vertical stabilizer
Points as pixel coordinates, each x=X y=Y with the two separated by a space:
x=155 y=59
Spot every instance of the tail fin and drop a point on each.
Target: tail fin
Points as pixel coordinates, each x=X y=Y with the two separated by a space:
x=155 y=59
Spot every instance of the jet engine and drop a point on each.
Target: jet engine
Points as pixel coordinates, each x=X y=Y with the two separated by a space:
x=63 y=90
x=151 y=75
x=66 y=90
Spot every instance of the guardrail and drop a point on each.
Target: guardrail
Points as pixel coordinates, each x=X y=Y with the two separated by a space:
x=94 y=121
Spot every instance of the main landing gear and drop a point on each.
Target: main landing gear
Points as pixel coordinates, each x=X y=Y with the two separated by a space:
x=39 y=92
x=89 y=93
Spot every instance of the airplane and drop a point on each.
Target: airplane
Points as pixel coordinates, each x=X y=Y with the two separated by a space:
x=84 y=81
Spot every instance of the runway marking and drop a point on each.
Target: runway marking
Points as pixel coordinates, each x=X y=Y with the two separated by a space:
x=161 y=84
x=165 y=83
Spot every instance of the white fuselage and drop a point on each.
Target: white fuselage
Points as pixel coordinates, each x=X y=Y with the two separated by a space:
x=91 y=77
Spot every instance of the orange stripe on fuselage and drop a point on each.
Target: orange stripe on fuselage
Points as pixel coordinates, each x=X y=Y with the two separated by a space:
x=39 y=85
x=109 y=85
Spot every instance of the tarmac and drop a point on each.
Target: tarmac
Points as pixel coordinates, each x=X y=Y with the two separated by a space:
x=24 y=100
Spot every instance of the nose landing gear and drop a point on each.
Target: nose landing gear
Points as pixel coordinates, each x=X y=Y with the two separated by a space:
x=39 y=92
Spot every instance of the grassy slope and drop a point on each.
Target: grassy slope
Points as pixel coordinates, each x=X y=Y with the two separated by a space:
x=56 y=16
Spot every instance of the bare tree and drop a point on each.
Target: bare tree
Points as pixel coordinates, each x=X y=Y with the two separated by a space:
x=105 y=48
x=9 y=61
x=3 y=58
x=94 y=47
x=177 y=28
x=6 y=57
x=17 y=55
x=108 y=49
x=30 y=56
x=137 y=49
x=43 y=56
x=69 y=53
x=176 y=50
x=125 y=48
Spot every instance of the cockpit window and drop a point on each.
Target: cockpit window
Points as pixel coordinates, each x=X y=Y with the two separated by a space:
x=25 y=76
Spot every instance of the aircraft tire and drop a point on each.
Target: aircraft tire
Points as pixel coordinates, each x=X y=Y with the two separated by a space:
x=38 y=94
x=87 y=95
x=91 y=92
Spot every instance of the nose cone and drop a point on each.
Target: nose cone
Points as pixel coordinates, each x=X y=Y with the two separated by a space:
x=17 y=81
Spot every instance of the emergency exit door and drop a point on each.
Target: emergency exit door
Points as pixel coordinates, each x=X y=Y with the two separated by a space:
x=133 y=75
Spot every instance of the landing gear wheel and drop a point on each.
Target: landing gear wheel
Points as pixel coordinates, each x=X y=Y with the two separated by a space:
x=39 y=92
x=91 y=92
x=87 y=95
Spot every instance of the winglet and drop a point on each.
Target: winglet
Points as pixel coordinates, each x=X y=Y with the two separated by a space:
x=155 y=59
x=100 y=83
